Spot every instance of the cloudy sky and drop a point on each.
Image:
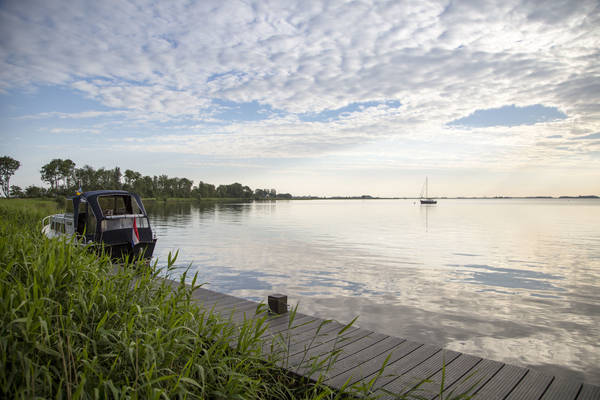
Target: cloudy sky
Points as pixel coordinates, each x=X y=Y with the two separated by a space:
x=309 y=97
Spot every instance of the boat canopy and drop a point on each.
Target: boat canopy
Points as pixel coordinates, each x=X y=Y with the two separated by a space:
x=120 y=203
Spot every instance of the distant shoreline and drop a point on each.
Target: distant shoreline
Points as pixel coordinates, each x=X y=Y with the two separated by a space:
x=364 y=197
x=442 y=198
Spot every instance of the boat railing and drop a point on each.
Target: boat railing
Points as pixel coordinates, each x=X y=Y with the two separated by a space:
x=45 y=219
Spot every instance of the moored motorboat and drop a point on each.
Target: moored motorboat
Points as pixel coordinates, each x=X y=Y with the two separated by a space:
x=114 y=220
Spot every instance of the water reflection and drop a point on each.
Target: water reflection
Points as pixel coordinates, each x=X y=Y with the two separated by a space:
x=506 y=277
x=516 y=281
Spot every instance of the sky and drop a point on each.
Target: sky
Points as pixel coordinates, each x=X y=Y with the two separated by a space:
x=323 y=98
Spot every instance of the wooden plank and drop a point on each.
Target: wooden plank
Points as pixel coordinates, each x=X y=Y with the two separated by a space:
x=370 y=368
x=298 y=327
x=298 y=349
x=502 y=383
x=405 y=364
x=234 y=312
x=346 y=362
x=360 y=340
x=230 y=313
x=475 y=379
x=307 y=363
x=203 y=294
x=453 y=372
x=315 y=340
x=227 y=310
x=242 y=312
x=282 y=324
x=223 y=301
x=370 y=339
x=531 y=387
x=310 y=326
x=229 y=305
x=561 y=389
x=297 y=341
x=208 y=302
x=589 y=392
x=423 y=371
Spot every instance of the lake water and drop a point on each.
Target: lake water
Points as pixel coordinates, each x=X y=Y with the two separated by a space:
x=512 y=280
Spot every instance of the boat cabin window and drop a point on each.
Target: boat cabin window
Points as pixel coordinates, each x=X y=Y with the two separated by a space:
x=58 y=226
x=86 y=221
x=69 y=206
x=118 y=205
x=91 y=224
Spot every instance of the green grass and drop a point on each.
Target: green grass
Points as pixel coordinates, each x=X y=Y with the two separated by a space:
x=74 y=325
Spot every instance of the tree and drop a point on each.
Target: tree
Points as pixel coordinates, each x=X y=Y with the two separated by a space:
x=163 y=185
x=67 y=172
x=260 y=194
x=35 y=191
x=149 y=186
x=8 y=166
x=16 y=191
x=50 y=173
x=87 y=177
x=115 y=181
x=131 y=178
x=57 y=171
x=184 y=187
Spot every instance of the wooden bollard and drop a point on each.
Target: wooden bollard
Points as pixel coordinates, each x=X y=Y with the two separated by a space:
x=278 y=303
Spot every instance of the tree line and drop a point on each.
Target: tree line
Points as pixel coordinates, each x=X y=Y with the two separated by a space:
x=64 y=179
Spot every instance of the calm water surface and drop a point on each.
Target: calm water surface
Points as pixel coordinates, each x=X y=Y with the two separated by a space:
x=512 y=280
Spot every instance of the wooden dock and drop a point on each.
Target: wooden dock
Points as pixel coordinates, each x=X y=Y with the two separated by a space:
x=361 y=354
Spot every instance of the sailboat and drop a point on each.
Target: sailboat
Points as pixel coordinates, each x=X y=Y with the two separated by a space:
x=426 y=199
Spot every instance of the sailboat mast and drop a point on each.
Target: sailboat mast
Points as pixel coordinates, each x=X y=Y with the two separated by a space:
x=426 y=192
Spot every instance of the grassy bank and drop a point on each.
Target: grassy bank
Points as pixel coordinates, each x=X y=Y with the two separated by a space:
x=72 y=328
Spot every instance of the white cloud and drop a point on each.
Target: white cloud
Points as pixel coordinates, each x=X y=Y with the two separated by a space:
x=75 y=130
x=441 y=60
x=78 y=115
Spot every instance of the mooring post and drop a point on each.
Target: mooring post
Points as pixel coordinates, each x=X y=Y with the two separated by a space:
x=278 y=303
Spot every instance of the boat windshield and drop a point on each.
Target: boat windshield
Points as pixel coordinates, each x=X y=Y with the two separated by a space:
x=69 y=206
x=118 y=205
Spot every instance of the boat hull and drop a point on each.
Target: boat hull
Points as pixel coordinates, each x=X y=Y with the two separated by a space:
x=428 y=201
x=116 y=251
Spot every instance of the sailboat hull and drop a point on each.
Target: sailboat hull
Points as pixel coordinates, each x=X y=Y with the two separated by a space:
x=426 y=199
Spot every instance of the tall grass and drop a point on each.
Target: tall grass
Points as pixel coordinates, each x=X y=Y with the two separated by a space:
x=74 y=325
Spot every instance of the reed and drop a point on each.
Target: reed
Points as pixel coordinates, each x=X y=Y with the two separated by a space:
x=74 y=325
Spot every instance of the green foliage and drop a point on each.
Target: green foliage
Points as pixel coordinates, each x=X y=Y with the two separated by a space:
x=59 y=174
x=16 y=191
x=64 y=179
x=8 y=166
x=74 y=325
